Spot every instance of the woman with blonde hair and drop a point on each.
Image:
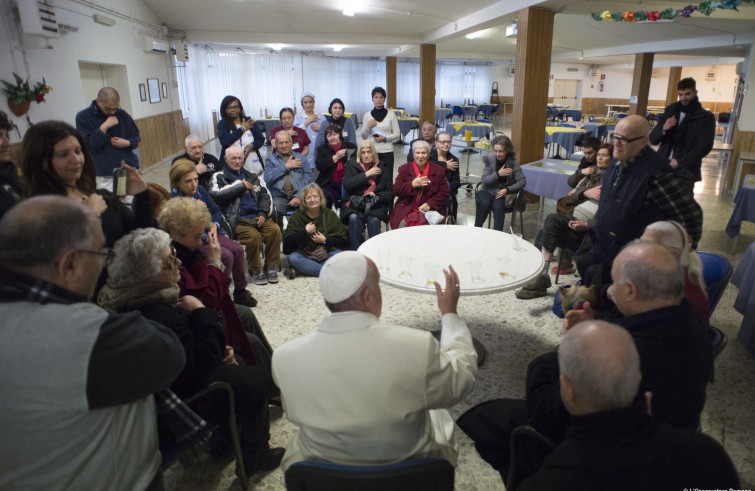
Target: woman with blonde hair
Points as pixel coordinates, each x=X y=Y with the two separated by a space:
x=314 y=233
x=368 y=188
x=673 y=236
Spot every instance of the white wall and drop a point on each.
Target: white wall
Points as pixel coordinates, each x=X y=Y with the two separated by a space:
x=94 y=43
x=747 y=114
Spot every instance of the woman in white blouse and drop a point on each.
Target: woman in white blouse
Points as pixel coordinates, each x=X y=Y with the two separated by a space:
x=381 y=125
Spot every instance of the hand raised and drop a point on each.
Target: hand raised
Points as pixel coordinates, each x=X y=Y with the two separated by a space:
x=448 y=299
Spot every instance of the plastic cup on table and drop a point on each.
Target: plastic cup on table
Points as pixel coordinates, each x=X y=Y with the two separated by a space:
x=468 y=135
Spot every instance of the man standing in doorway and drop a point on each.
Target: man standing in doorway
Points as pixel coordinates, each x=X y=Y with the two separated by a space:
x=110 y=134
x=685 y=132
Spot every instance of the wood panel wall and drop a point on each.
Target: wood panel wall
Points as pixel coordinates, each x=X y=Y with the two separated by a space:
x=162 y=135
x=597 y=105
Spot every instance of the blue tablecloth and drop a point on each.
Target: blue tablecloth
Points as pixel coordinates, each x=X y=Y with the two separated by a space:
x=567 y=139
x=597 y=130
x=407 y=125
x=744 y=206
x=479 y=130
x=744 y=279
x=487 y=109
x=548 y=177
x=469 y=111
x=440 y=115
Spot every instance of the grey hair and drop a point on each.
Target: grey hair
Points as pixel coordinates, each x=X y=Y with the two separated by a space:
x=38 y=231
x=420 y=143
x=603 y=379
x=672 y=234
x=191 y=138
x=232 y=149
x=652 y=281
x=138 y=257
x=442 y=133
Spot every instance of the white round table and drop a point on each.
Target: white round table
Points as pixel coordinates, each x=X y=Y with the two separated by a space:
x=486 y=260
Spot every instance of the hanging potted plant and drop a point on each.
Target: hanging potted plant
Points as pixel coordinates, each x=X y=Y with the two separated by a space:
x=21 y=94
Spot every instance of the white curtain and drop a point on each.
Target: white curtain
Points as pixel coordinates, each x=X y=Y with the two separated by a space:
x=268 y=82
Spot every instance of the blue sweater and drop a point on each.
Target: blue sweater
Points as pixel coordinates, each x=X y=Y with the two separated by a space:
x=107 y=157
x=204 y=195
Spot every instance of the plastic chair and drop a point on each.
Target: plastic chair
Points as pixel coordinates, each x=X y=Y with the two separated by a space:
x=426 y=474
x=717 y=271
x=528 y=448
x=517 y=204
x=457 y=111
x=170 y=451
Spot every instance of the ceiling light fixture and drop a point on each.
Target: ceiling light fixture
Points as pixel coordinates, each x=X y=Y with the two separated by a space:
x=474 y=35
x=338 y=47
x=276 y=47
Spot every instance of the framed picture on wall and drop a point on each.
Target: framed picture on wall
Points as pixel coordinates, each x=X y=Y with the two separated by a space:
x=165 y=90
x=142 y=92
x=154 y=90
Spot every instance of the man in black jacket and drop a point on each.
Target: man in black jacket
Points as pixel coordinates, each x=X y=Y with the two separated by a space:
x=685 y=132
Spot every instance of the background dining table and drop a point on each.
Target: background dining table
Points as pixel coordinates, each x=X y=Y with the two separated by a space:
x=744 y=279
x=479 y=130
x=563 y=136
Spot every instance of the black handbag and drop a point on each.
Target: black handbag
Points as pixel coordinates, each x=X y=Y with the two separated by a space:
x=363 y=203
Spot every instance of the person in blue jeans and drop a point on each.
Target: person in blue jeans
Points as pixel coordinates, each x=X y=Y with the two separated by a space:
x=365 y=177
x=314 y=233
x=501 y=177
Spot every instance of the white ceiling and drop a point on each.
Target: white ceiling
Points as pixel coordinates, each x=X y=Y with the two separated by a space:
x=398 y=27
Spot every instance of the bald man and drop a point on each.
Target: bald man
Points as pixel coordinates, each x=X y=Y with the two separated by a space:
x=639 y=188
x=675 y=357
x=109 y=132
x=613 y=443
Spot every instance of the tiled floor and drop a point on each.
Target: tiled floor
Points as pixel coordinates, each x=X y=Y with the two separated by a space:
x=514 y=331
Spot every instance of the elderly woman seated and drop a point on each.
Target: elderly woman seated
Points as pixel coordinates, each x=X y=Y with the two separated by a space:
x=501 y=178
x=368 y=189
x=189 y=224
x=420 y=187
x=314 y=233
x=143 y=276
x=673 y=236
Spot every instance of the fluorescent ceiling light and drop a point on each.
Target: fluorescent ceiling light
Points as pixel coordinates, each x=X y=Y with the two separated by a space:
x=337 y=47
x=348 y=10
x=351 y=7
x=276 y=47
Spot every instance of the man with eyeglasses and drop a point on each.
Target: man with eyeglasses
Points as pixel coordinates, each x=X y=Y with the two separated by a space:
x=110 y=134
x=638 y=189
x=77 y=410
x=686 y=133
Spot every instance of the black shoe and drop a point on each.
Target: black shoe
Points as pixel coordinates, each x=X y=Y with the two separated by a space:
x=289 y=272
x=263 y=461
x=243 y=297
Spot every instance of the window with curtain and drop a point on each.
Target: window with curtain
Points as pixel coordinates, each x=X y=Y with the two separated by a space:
x=407 y=86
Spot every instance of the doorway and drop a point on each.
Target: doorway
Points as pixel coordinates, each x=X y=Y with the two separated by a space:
x=94 y=76
x=567 y=93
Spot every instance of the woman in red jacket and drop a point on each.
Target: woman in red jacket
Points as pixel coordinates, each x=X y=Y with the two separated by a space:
x=420 y=187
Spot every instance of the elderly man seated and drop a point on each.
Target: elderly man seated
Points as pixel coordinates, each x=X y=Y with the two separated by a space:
x=364 y=392
x=246 y=205
x=574 y=210
x=76 y=410
x=613 y=442
x=286 y=175
x=675 y=355
x=207 y=163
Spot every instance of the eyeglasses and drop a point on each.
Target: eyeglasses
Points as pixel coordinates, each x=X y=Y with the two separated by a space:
x=172 y=259
x=624 y=140
x=106 y=253
x=312 y=197
x=444 y=142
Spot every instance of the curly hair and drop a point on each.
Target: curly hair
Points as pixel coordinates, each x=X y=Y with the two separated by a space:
x=182 y=215
x=138 y=257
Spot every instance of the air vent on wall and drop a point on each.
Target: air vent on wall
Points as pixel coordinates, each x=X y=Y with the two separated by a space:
x=37 y=18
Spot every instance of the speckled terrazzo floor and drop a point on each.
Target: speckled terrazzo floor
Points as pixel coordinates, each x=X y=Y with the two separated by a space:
x=513 y=331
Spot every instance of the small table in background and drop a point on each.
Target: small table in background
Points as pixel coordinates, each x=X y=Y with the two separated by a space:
x=744 y=209
x=440 y=115
x=406 y=125
x=479 y=130
x=548 y=178
x=744 y=279
x=563 y=136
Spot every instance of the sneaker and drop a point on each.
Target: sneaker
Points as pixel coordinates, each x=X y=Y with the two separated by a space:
x=289 y=272
x=272 y=275
x=259 y=278
x=567 y=269
x=263 y=461
x=542 y=282
x=525 y=294
x=243 y=297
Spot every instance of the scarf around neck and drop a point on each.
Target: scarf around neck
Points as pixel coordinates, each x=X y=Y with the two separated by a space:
x=132 y=297
x=379 y=114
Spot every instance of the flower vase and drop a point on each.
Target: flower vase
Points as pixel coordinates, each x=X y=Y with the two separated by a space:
x=19 y=109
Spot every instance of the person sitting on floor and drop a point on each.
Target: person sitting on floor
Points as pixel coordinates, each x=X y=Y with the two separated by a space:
x=314 y=233
x=675 y=355
x=579 y=205
x=613 y=442
x=367 y=393
x=420 y=187
x=184 y=181
x=247 y=207
x=502 y=178
x=143 y=277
